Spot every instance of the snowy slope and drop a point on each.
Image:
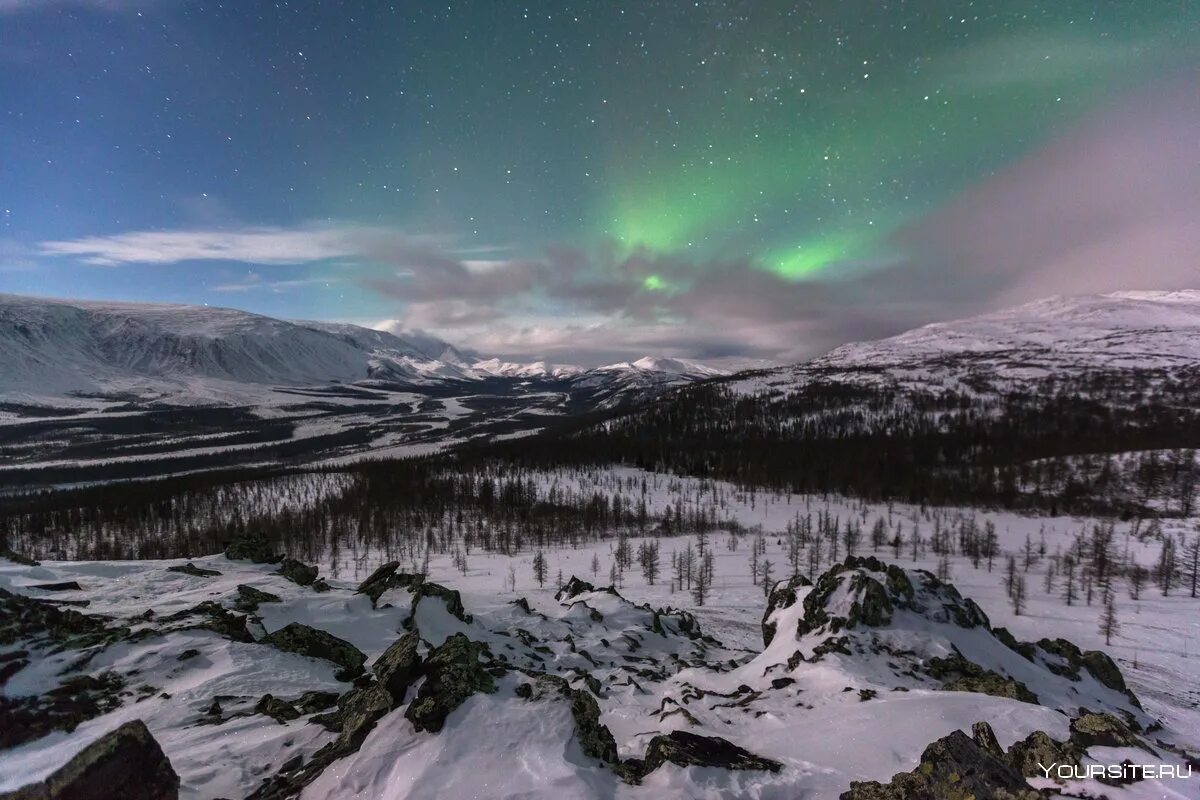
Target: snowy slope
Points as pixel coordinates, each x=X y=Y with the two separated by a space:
x=1056 y=335
x=849 y=687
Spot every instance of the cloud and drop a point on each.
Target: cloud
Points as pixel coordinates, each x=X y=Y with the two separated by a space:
x=249 y=245
x=254 y=281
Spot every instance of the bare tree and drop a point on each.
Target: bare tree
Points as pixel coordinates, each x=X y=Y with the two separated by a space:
x=1018 y=596
x=1108 y=620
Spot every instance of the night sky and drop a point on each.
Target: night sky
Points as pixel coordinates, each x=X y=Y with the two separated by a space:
x=586 y=181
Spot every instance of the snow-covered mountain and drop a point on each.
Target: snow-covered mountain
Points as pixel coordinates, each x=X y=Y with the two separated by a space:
x=52 y=348
x=1052 y=337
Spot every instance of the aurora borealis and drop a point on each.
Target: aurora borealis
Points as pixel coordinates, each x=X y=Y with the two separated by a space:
x=592 y=180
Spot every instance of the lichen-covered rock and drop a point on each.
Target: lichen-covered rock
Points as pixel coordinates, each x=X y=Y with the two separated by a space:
x=124 y=764
x=398 y=666
x=452 y=674
x=1090 y=730
x=191 y=569
x=983 y=735
x=276 y=709
x=687 y=749
x=360 y=710
x=595 y=739
x=248 y=598
x=307 y=641
x=952 y=768
x=1037 y=749
x=252 y=547
x=994 y=684
x=298 y=572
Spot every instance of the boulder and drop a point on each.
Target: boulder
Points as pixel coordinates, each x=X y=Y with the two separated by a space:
x=377 y=582
x=248 y=598
x=124 y=764
x=298 y=572
x=398 y=666
x=1090 y=730
x=452 y=674
x=61 y=586
x=1037 y=749
x=315 y=643
x=595 y=739
x=276 y=709
x=573 y=587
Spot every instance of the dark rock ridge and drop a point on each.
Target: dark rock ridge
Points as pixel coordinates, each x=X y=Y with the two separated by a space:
x=191 y=569
x=124 y=764
x=249 y=598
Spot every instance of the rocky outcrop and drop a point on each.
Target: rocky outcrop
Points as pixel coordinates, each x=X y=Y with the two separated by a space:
x=452 y=674
x=954 y=767
x=125 y=764
x=298 y=572
x=278 y=710
x=315 y=643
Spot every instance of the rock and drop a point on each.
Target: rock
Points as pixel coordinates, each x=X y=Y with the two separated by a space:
x=452 y=674
x=398 y=666
x=190 y=653
x=314 y=701
x=298 y=572
x=1105 y=670
x=276 y=709
x=994 y=684
x=221 y=621
x=450 y=597
x=75 y=700
x=248 y=598
x=952 y=768
x=574 y=587
x=595 y=739
x=62 y=586
x=983 y=735
x=689 y=749
x=315 y=643
x=360 y=710
x=319 y=585
x=1037 y=749
x=254 y=547
x=191 y=569
x=124 y=764
x=377 y=582
x=1090 y=730
x=522 y=604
